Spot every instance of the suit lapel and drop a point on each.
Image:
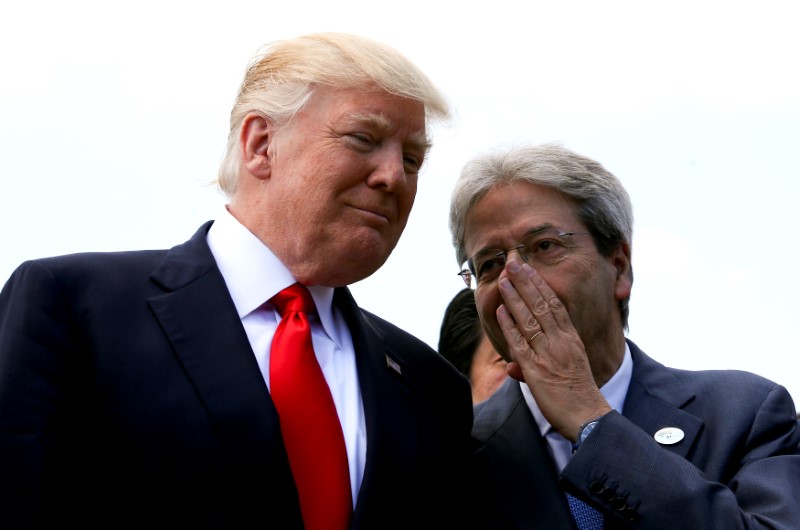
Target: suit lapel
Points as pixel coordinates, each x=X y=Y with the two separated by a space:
x=201 y=322
x=528 y=486
x=655 y=399
x=385 y=385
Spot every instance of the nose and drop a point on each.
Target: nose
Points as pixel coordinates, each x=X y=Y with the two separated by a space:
x=520 y=250
x=389 y=171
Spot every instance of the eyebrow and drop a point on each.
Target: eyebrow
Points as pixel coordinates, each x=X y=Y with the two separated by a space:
x=530 y=232
x=537 y=229
x=379 y=121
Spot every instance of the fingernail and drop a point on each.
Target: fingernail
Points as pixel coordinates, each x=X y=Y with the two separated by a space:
x=528 y=269
x=513 y=266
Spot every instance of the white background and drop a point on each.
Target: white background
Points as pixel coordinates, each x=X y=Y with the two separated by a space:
x=113 y=117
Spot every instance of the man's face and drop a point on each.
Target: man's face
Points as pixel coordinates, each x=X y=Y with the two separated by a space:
x=343 y=178
x=586 y=282
x=486 y=372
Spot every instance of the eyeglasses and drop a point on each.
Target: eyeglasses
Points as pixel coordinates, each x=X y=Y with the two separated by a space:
x=546 y=246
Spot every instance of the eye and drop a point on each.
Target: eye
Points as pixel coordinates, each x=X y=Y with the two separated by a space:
x=546 y=245
x=412 y=163
x=489 y=268
x=547 y=250
x=361 y=138
x=496 y=359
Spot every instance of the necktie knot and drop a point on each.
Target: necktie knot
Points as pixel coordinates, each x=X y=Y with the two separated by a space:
x=293 y=299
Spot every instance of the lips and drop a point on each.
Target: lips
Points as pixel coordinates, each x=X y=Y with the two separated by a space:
x=376 y=212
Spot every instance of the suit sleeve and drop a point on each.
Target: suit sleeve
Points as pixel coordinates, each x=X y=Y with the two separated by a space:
x=743 y=472
x=35 y=345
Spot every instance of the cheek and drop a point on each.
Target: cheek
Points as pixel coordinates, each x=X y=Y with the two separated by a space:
x=316 y=200
x=573 y=276
x=404 y=208
x=487 y=300
x=405 y=201
x=498 y=374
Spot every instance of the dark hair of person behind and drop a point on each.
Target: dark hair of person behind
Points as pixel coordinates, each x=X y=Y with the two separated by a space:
x=461 y=331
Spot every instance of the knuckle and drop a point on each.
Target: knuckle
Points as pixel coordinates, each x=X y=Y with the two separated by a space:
x=555 y=303
x=530 y=323
x=540 y=307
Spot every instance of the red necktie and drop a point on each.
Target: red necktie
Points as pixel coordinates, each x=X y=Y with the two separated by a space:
x=309 y=423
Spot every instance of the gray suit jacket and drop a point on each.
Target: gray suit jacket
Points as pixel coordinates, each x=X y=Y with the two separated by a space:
x=130 y=398
x=737 y=467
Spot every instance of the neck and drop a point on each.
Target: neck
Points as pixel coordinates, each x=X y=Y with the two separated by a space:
x=606 y=359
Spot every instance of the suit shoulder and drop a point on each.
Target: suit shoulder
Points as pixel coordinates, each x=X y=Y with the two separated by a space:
x=707 y=388
x=733 y=385
x=395 y=334
x=86 y=269
x=727 y=381
x=97 y=262
x=79 y=260
x=505 y=408
x=410 y=348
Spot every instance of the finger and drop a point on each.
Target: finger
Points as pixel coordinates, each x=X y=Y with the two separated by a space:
x=552 y=308
x=535 y=336
x=524 y=301
x=516 y=341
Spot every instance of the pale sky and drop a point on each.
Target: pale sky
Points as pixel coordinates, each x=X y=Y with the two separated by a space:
x=113 y=117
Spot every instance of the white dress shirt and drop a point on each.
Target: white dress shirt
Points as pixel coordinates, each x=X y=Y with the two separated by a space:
x=253 y=275
x=614 y=391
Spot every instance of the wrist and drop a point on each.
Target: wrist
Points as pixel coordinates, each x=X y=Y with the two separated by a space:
x=584 y=431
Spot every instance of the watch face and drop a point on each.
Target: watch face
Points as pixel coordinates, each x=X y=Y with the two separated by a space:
x=586 y=430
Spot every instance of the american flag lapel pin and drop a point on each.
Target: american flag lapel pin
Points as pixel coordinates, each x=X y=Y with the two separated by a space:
x=391 y=363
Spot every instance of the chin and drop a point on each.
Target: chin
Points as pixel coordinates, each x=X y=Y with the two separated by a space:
x=369 y=252
x=355 y=270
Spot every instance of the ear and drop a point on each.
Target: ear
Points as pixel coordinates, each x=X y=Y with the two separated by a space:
x=621 y=260
x=255 y=137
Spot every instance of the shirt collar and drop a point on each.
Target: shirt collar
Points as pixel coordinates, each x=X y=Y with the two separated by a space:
x=254 y=274
x=614 y=391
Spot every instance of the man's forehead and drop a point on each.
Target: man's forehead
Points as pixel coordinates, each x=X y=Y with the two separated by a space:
x=505 y=215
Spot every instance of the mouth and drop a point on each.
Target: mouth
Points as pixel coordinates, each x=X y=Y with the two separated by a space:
x=373 y=214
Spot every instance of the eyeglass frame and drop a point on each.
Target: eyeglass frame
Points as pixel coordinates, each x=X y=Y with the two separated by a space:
x=467 y=274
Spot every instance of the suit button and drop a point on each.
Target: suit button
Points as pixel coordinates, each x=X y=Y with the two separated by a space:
x=596 y=487
x=619 y=504
x=609 y=495
x=631 y=514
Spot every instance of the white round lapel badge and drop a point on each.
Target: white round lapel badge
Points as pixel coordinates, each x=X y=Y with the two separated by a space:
x=668 y=435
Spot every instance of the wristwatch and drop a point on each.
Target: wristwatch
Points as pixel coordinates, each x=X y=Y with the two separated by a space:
x=584 y=432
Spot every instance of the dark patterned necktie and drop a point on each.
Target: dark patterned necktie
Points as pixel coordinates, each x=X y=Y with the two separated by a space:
x=310 y=425
x=587 y=517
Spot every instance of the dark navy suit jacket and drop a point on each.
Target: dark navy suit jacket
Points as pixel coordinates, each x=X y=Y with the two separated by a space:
x=737 y=467
x=130 y=398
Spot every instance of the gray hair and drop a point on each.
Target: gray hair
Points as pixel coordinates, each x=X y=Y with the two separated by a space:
x=282 y=77
x=604 y=206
